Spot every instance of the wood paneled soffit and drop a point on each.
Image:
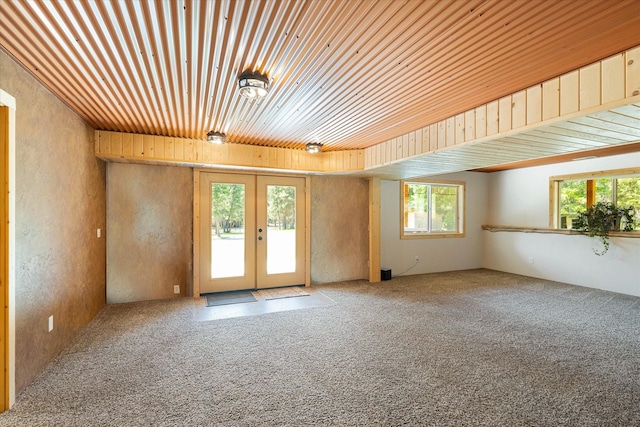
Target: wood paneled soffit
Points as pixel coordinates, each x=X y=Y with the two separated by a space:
x=595 y=107
x=150 y=149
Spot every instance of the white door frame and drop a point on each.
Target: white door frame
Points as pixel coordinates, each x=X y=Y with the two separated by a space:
x=196 y=220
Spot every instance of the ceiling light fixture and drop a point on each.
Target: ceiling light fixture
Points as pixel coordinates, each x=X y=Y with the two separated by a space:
x=216 y=137
x=314 y=147
x=253 y=85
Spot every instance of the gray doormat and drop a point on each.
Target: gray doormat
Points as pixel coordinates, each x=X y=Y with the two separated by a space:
x=233 y=297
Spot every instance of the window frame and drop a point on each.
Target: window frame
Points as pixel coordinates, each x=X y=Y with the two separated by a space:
x=460 y=211
x=554 y=188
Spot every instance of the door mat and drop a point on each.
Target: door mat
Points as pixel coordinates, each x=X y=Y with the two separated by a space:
x=233 y=297
x=277 y=293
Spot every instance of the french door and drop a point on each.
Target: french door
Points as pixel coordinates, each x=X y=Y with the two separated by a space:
x=252 y=232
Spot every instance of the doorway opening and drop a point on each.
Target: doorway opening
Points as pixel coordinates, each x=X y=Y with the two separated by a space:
x=250 y=232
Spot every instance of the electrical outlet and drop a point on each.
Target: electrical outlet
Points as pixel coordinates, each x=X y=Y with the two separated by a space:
x=51 y=323
x=176 y=289
x=530 y=260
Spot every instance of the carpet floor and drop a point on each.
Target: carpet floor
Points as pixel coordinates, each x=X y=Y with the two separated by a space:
x=465 y=348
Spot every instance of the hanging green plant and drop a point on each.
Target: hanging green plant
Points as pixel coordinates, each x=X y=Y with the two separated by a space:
x=603 y=217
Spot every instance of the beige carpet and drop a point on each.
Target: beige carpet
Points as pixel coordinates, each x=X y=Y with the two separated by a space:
x=277 y=293
x=467 y=348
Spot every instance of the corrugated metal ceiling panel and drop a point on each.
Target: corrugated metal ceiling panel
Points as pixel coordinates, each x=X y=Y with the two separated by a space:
x=349 y=74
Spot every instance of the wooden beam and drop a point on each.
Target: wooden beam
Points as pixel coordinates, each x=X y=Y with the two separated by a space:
x=591 y=192
x=600 y=152
x=374 y=230
x=8 y=310
x=195 y=286
x=307 y=235
x=4 y=257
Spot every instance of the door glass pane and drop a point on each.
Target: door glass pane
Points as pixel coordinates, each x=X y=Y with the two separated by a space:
x=281 y=229
x=227 y=230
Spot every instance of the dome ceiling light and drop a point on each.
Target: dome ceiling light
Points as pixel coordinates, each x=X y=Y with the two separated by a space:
x=253 y=85
x=216 y=137
x=314 y=147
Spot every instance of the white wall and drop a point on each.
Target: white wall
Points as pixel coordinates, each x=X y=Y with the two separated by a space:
x=436 y=254
x=521 y=198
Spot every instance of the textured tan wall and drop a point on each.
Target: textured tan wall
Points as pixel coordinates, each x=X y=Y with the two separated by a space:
x=60 y=202
x=150 y=225
x=339 y=229
x=149 y=231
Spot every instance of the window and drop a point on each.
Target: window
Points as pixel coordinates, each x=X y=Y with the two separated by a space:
x=574 y=193
x=432 y=209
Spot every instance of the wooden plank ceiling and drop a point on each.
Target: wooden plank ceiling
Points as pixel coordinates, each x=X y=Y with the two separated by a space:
x=346 y=73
